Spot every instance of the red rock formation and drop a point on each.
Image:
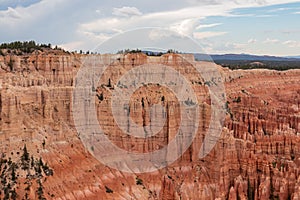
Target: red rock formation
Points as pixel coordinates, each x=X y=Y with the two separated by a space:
x=257 y=156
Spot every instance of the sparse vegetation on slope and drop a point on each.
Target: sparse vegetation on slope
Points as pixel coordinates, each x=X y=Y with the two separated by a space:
x=27 y=171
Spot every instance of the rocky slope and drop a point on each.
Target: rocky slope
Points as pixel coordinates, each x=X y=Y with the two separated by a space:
x=256 y=157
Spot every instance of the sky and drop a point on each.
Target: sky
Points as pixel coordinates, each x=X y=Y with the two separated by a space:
x=261 y=27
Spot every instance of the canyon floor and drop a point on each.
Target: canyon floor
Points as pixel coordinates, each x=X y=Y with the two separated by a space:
x=256 y=157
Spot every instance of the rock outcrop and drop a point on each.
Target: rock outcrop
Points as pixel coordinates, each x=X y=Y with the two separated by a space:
x=256 y=157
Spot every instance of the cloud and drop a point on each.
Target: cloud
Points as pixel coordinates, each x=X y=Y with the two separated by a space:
x=270 y=41
x=262 y=16
x=227 y=47
x=160 y=34
x=241 y=3
x=4 y=4
x=71 y=46
x=207 y=34
x=126 y=11
x=204 y=2
x=292 y=43
x=108 y=25
x=280 y=9
x=183 y=20
x=291 y=31
x=71 y=22
x=252 y=41
x=239 y=46
x=201 y=26
x=10 y=13
x=185 y=27
x=30 y=13
x=48 y=21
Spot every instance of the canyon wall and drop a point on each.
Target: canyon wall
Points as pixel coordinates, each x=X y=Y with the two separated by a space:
x=256 y=157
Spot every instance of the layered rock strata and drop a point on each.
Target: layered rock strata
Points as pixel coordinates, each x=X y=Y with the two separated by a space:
x=256 y=157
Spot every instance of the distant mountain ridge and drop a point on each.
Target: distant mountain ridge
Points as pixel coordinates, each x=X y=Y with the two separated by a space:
x=246 y=57
x=246 y=61
x=233 y=57
x=297 y=57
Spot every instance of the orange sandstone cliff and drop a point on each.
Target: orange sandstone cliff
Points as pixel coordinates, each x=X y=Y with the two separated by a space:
x=256 y=157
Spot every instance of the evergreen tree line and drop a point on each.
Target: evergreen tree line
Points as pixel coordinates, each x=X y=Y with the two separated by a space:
x=25 y=47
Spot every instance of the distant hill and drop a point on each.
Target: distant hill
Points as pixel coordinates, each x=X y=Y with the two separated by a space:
x=298 y=57
x=245 y=57
x=246 y=61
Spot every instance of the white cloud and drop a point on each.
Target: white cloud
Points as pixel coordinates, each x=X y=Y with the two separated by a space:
x=183 y=21
x=292 y=43
x=126 y=11
x=227 y=47
x=280 y=9
x=207 y=34
x=10 y=13
x=201 y=26
x=185 y=27
x=71 y=46
x=203 y=2
x=241 y=3
x=16 y=3
x=49 y=20
x=25 y=15
x=160 y=34
x=291 y=31
x=270 y=41
x=104 y=25
x=239 y=46
x=262 y=16
x=252 y=41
